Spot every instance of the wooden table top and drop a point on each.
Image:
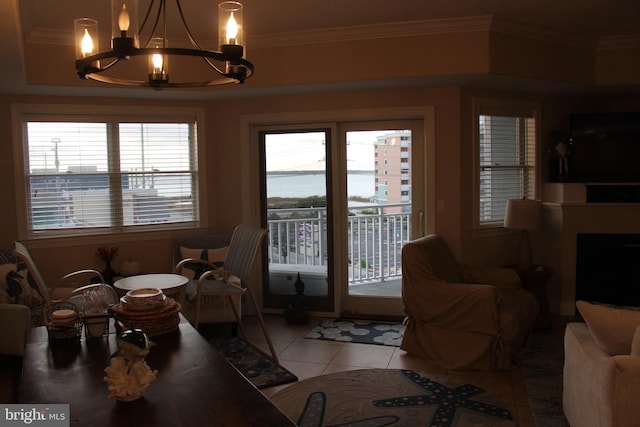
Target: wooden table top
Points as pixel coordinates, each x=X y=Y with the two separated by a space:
x=195 y=385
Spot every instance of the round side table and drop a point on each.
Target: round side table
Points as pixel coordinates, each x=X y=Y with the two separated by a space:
x=535 y=281
x=170 y=284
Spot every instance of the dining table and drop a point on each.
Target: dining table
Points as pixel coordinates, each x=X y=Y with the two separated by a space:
x=194 y=386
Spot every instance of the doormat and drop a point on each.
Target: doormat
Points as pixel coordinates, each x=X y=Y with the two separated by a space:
x=358 y=331
x=253 y=363
x=382 y=397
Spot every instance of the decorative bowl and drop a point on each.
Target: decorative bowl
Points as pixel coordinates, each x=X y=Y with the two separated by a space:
x=144 y=298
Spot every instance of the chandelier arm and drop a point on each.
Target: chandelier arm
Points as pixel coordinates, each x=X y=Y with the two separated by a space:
x=155 y=24
x=243 y=69
x=86 y=66
x=212 y=65
x=143 y=83
x=146 y=16
x=192 y=39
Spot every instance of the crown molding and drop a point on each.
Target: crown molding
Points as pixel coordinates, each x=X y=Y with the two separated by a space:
x=370 y=32
x=487 y=23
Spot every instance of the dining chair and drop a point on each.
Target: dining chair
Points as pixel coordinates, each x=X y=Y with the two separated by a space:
x=58 y=292
x=232 y=279
x=210 y=249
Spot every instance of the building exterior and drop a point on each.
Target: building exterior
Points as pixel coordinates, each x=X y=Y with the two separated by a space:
x=393 y=170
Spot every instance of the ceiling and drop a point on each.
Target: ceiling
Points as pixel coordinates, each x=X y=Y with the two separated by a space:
x=586 y=20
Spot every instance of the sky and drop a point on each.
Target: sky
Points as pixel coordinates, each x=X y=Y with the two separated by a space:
x=306 y=151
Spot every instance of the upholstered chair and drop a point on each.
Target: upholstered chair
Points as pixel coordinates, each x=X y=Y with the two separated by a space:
x=462 y=316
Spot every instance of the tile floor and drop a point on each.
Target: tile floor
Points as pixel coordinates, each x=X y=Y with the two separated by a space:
x=308 y=358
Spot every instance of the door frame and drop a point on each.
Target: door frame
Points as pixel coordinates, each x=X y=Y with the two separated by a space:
x=368 y=305
x=250 y=164
x=325 y=303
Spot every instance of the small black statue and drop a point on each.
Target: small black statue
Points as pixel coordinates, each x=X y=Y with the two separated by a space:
x=297 y=311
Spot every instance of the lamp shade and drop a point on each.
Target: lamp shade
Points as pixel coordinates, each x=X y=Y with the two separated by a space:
x=523 y=214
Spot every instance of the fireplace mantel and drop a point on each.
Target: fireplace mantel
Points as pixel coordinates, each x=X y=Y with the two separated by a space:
x=567 y=214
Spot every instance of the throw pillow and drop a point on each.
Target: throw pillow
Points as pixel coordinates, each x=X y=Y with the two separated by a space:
x=193 y=270
x=15 y=287
x=612 y=328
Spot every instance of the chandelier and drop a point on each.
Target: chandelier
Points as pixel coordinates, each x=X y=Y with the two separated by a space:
x=228 y=62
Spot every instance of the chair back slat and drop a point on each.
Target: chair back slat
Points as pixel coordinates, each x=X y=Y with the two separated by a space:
x=23 y=253
x=244 y=246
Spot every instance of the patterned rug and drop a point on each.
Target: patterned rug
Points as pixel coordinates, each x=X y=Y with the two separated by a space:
x=254 y=364
x=383 y=397
x=541 y=365
x=358 y=331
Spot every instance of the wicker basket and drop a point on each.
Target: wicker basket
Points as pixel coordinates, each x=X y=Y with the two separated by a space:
x=154 y=321
x=68 y=330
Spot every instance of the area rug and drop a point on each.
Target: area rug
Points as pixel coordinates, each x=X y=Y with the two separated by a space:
x=253 y=363
x=384 y=397
x=541 y=366
x=358 y=331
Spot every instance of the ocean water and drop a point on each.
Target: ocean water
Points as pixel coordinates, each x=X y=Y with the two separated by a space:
x=313 y=184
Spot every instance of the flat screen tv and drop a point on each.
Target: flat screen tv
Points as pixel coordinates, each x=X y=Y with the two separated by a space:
x=604 y=147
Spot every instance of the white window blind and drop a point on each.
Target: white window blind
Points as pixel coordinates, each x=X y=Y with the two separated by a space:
x=506 y=163
x=109 y=175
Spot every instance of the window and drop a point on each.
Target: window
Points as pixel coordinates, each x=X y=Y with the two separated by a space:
x=506 y=159
x=108 y=174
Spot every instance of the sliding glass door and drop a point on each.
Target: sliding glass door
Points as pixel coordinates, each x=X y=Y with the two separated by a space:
x=383 y=208
x=297 y=210
x=340 y=202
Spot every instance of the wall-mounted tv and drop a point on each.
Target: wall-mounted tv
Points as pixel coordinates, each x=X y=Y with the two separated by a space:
x=604 y=147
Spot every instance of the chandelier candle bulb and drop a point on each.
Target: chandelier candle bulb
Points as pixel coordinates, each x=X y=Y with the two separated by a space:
x=230 y=28
x=124 y=21
x=86 y=36
x=158 y=63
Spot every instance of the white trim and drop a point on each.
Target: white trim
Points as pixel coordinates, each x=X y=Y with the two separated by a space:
x=304 y=120
x=500 y=107
x=456 y=25
x=20 y=113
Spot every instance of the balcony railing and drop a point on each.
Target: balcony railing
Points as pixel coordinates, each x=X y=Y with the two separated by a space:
x=376 y=234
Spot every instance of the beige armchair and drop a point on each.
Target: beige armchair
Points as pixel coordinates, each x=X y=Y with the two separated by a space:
x=462 y=316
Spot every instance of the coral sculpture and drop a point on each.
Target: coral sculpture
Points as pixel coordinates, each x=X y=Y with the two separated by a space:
x=126 y=380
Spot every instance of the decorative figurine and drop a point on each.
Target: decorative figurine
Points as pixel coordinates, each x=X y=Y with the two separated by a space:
x=297 y=311
x=128 y=375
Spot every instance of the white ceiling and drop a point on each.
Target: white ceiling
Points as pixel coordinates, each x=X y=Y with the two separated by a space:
x=588 y=20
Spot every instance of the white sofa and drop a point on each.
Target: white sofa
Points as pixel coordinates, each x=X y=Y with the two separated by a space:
x=601 y=377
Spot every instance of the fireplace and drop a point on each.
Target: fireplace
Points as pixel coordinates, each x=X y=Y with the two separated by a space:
x=608 y=268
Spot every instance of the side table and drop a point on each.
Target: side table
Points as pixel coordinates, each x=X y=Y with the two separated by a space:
x=535 y=281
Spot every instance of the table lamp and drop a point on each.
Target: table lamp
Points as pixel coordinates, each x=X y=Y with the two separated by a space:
x=524 y=215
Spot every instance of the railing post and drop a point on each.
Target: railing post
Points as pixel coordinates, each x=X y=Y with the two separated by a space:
x=291 y=236
x=380 y=255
